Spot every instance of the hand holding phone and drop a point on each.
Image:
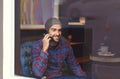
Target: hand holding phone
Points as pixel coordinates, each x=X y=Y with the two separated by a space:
x=46 y=42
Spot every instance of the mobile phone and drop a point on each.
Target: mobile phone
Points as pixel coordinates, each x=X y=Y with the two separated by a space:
x=49 y=37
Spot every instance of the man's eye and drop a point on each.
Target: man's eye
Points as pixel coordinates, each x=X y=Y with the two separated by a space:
x=53 y=29
x=60 y=30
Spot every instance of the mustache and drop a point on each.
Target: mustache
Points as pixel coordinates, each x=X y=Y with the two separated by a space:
x=56 y=36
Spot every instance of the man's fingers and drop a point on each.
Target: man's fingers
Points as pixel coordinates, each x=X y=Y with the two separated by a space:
x=49 y=39
x=47 y=36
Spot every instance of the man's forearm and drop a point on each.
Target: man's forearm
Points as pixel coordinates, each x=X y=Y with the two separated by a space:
x=39 y=63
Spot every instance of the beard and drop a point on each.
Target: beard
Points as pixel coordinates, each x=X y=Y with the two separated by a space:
x=55 y=38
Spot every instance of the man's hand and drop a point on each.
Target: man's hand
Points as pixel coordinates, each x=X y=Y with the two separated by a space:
x=46 y=40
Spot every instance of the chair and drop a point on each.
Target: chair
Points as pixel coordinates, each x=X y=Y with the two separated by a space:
x=25 y=58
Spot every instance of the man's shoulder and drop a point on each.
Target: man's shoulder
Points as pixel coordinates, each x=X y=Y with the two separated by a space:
x=65 y=42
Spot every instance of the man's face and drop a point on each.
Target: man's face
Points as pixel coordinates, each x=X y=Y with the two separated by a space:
x=55 y=31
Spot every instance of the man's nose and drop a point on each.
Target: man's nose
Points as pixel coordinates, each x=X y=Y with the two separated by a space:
x=57 y=33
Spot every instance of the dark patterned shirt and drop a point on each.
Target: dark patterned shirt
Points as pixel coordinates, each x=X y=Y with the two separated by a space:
x=50 y=63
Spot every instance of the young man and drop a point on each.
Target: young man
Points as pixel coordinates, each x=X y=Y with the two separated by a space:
x=49 y=53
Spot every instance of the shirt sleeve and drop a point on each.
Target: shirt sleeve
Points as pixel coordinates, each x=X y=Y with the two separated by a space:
x=74 y=65
x=39 y=60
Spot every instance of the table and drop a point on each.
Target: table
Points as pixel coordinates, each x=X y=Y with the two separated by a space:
x=105 y=67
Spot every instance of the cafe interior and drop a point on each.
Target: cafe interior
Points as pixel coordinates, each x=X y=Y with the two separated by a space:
x=91 y=26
